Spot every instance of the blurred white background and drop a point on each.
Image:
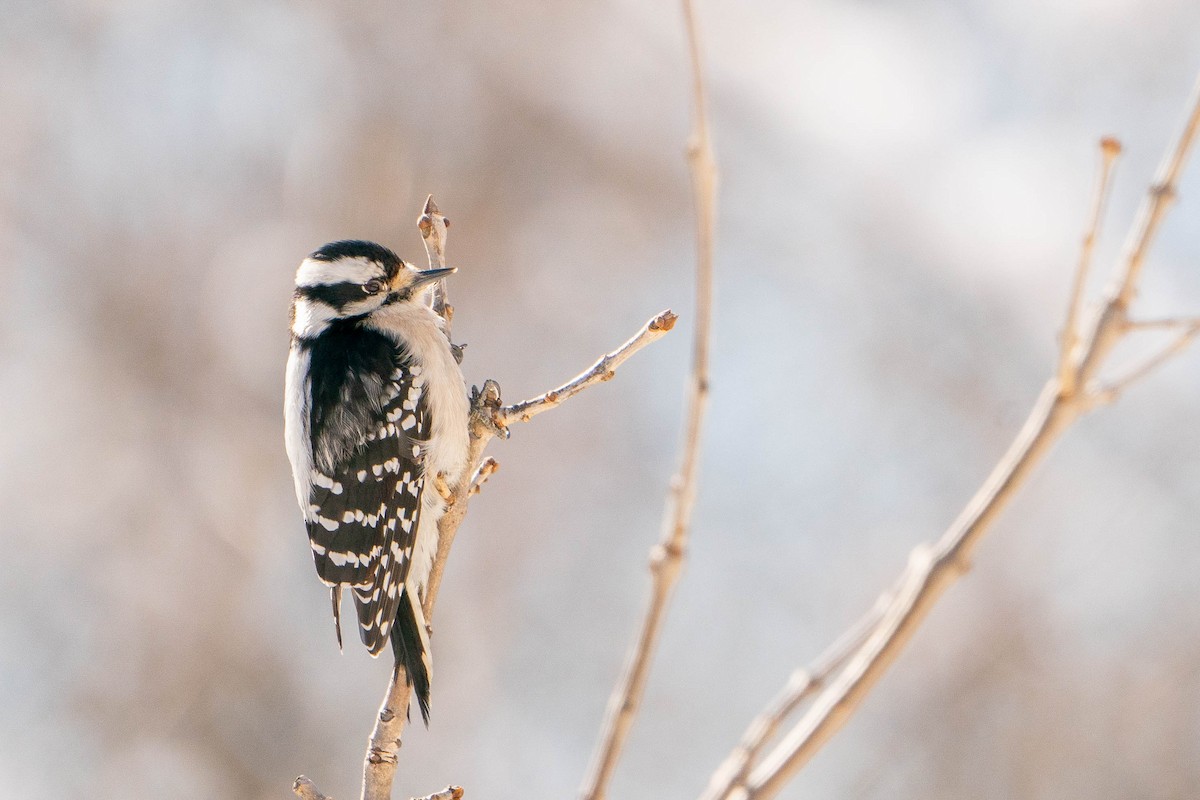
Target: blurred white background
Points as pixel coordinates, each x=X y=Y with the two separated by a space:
x=903 y=190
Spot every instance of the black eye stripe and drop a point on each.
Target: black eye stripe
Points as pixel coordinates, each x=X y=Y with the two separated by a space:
x=337 y=295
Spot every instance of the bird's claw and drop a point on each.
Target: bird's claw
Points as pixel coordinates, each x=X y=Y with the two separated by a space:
x=485 y=402
x=439 y=483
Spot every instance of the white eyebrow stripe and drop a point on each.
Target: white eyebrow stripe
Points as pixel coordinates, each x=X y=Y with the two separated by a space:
x=323 y=273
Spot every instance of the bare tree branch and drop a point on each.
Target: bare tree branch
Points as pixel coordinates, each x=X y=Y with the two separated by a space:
x=604 y=369
x=934 y=568
x=1109 y=392
x=433 y=227
x=449 y=793
x=486 y=468
x=802 y=685
x=666 y=558
x=307 y=790
x=1162 y=193
x=1110 y=148
x=1171 y=324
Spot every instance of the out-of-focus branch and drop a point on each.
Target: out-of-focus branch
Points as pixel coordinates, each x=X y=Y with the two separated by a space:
x=934 y=568
x=1109 y=392
x=1172 y=324
x=1110 y=148
x=666 y=558
x=802 y=685
x=1161 y=195
x=489 y=419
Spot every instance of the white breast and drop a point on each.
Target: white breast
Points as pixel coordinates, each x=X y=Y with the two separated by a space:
x=295 y=424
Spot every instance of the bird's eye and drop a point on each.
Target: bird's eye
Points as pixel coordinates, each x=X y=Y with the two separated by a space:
x=373 y=286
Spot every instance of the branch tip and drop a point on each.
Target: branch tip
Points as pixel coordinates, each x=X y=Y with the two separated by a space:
x=664 y=321
x=486 y=468
x=1068 y=365
x=604 y=369
x=449 y=793
x=305 y=789
x=432 y=226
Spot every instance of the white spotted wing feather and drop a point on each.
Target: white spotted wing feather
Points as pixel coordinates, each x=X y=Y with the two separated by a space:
x=363 y=514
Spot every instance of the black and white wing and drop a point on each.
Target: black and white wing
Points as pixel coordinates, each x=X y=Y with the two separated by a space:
x=364 y=511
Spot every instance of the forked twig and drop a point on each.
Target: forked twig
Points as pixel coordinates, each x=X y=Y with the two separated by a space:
x=1110 y=148
x=1111 y=390
x=604 y=369
x=803 y=684
x=934 y=568
x=666 y=558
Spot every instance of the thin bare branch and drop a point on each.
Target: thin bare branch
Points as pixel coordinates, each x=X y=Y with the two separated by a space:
x=934 y=568
x=1109 y=392
x=666 y=558
x=1110 y=148
x=1171 y=324
x=931 y=571
x=486 y=468
x=802 y=685
x=449 y=793
x=307 y=790
x=604 y=369
x=433 y=227
x=379 y=767
x=1161 y=194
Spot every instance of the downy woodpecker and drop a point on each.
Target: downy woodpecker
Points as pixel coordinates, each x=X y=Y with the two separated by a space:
x=375 y=419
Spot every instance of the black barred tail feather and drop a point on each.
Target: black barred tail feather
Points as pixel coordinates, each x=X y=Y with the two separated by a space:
x=410 y=642
x=376 y=614
x=335 y=594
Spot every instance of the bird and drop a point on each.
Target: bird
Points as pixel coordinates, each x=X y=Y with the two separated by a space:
x=376 y=430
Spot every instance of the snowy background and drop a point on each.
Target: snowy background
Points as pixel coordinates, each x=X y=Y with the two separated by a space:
x=903 y=190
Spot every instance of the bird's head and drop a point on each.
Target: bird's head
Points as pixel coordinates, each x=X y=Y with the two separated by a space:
x=347 y=279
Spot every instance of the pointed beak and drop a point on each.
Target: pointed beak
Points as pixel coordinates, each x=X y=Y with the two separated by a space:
x=426 y=277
